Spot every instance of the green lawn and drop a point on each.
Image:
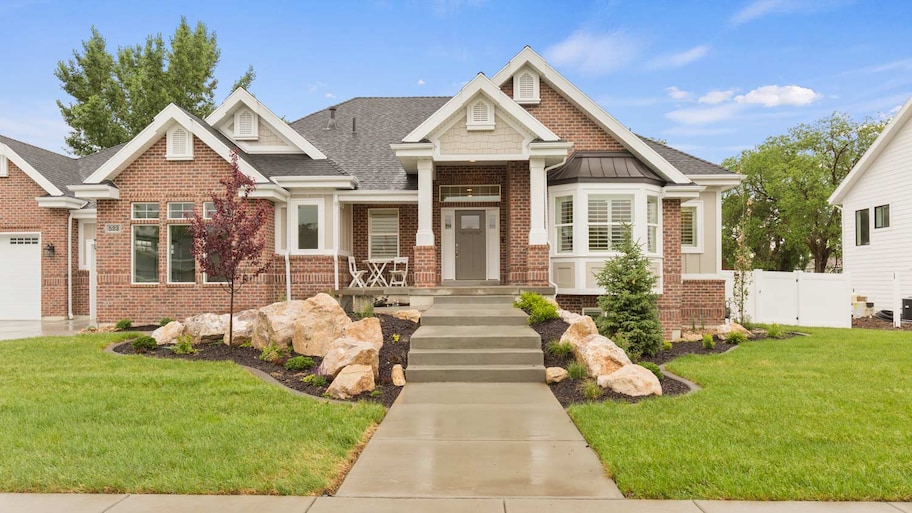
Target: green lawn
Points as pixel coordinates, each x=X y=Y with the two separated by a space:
x=76 y=419
x=825 y=417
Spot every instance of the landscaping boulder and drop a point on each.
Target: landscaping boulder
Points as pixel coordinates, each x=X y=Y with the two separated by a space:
x=275 y=323
x=168 y=333
x=244 y=322
x=320 y=323
x=632 y=380
x=568 y=316
x=555 y=374
x=365 y=330
x=347 y=351
x=579 y=329
x=398 y=375
x=408 y=315
x=351 y=381
x=724 y=330
x=600 y=355
x=206 y=327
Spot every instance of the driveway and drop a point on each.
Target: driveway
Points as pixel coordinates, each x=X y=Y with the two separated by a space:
x=10 y=330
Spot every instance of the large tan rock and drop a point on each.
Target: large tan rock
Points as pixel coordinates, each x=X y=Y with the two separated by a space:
x=600 y=355
x=275 y=323
x=206 y=327
x=320 y=323
x=243 y=324
x=408 y=315
x=365 y=330
x=579 y=329
x=724 y=330
x=351 y=381
x=568 y=316
x=346 y=351
x=632 y=380
x=398 y=375
x=555 y=374
x=168 y=333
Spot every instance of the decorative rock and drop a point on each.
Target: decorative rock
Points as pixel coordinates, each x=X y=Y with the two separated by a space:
x=568 y=316
x=275 y=323
x=579 y=329
x=206 y=327
x=632 y=380
x=346 y=351
x=351 y=381
x=320 y=323
x=724 y=330
x=600 y=355
x=555 y=374
x=398 y=375
x=243 y=324
x=691 y=336
x=365 y=330
x=168 y=333
x=408 y=315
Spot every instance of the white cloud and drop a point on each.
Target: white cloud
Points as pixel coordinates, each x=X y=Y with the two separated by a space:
x=329 y=95
x=677 y=60
x=761 y=8
x=678 y=94
x=774 y=96
x=420 y=82
x=704 y=115
x=717 y=96
x=696 y=131
x=595 y=54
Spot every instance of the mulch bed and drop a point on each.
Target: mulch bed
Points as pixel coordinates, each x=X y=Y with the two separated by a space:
x=874 y=323
x=390 y=354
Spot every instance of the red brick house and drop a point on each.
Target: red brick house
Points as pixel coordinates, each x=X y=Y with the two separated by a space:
x=520 y=179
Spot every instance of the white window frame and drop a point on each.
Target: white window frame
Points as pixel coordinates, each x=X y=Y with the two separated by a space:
x=182 y=218
x=292 y=239
x=699 y=225
x=370 y=229
x=252 y=136
x=208 y=209
x=610 y=223
x=170 y=154
x=83 y=241
x=133 y=254
x=536 y=88
x=170 y=227
x=571 y=224
x=859 y=243
x=657 y=224
x=133 y=206
x=4 y=166
x=472 y=123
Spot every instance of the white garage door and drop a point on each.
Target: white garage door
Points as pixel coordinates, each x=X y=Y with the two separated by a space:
x=20 y=276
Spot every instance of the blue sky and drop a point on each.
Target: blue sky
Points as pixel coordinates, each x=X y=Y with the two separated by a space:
x=712 y=78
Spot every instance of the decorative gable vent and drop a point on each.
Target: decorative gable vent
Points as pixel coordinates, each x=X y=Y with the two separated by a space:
x=4 y=166
x=246 y=125
x=180 y=144
x=480 y=115
x=526 y=87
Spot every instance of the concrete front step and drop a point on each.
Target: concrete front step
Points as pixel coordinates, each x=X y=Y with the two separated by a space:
x=475 y=357
x=475 y=337
x=476 y=373
x=475 y=315
x=474 y=300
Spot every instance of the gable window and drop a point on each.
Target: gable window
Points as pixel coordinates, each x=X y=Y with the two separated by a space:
x=181 y=210
x=480 y=115
x=246 y=125
x=180 y=144
x=383 y=232
x=563 y=223
x=145 y=253
x=862 y=227
x=652 y=224
x=466 y=193
x=882 y=216
x=692 y=227
x=305 y=225
x=145 y=211
x=181 y=264
x=607 y=217
x=4 y=166
x=526 y=87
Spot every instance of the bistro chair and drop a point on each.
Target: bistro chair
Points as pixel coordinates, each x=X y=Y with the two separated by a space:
x=357 y=276
x=399 y=272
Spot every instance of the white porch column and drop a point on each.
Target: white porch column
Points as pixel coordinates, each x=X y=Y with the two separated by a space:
x=425 y=234
x=538 y=184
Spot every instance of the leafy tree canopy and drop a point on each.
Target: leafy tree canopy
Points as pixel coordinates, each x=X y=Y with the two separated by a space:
x=115 y=96
x=784 y=195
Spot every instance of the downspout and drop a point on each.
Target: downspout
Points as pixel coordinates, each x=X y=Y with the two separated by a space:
x=287 y=276
x=70 y=266
x=337 y=222
x=550 y=267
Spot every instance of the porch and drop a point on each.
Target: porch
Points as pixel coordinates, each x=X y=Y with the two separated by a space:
x=421 y=298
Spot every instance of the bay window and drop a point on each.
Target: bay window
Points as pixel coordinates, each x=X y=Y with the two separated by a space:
x=607 y=216
x=563 y=222
x=652 y=224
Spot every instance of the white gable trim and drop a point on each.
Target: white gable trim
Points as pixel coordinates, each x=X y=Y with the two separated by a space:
x=241 y=96
x=30 y=171
x=95 y=191
x=60 y=202
x=880 y=144
x=459 y=103
x=160 y=125
x=528 y=57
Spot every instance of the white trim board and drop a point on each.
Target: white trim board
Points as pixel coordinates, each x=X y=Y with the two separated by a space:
x=30 y=171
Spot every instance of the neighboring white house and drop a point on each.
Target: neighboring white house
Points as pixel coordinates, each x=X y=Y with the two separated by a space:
x=876 y=201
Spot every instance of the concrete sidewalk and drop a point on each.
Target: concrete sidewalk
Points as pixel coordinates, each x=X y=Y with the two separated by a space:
x=74 y=503
x=12 y=330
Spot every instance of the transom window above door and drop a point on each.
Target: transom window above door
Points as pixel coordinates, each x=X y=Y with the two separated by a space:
x=469 y=193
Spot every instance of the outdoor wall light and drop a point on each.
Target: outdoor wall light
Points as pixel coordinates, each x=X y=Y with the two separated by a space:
x=49 y=250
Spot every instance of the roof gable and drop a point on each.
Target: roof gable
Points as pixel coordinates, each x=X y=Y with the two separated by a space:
x=24 y=156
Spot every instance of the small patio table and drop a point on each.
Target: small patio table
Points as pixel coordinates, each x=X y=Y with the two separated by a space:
x=377 y=266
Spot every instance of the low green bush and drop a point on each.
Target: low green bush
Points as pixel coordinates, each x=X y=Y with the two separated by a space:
x=165 y=321
x=654 y=369
x=666 y=345
x=273 y=352
x=124 y=324
x=590 y=389
x=366 y=312
x=538 y=308
x=708 y=342
x=775 y=331
x=184 y=345
x=317 y=380
x=298 y=363
x=559 y=349
x=576 y=370
x=395 y=338
x=144 y=343
x=736 y=338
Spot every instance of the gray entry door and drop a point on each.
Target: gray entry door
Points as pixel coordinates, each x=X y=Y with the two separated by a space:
x=470 y=245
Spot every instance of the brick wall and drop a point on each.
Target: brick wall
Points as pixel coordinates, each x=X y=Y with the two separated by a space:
x=408 y=227
x=576 y=303
x=517 y=223
x=670 y=300
x=703 y=302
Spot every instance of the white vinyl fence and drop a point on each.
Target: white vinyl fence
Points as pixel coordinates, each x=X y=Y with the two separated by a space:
x=796 y=298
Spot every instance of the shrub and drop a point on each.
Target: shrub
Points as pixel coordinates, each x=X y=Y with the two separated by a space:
x=538 y=308
x=576 y=370
x=666 y=345
x=747 y=323
x=395 y=338
x=124 y=324
x=317 y=380
x=559 y=349
x=736 y=338
x=590 y=389
x=144 y=343
x=366 y=312
x=273 y=352
x=708 y=342
x=184 y=345
x=165 y=321
x=376 y=392
x=775 y=331
x=654 y=369
x=298 y=363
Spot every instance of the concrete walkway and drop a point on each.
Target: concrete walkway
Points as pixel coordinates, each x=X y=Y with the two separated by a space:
x=11 y=330
x=477 y=440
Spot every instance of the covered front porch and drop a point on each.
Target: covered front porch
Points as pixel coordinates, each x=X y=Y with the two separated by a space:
x=421 y=298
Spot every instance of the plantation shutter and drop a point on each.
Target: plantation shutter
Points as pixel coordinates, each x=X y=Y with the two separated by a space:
x=383 y=226
x=246 y=124
x=526 y=86
x=480 y=113
x=621 y=214
x=688 y=226
x=598 y=224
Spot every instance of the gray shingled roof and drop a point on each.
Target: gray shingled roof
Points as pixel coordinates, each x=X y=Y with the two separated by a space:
x=366 y=153
x=600 y=166
x=684 y=162
x=294 y=165
x=59 y=169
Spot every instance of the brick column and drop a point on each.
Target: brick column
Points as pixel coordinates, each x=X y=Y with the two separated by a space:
x=670 y=300
x=518 y=218
x=425 y=266
x=537 y=262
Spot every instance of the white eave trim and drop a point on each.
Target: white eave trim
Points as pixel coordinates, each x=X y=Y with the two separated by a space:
x=60 y=202
x=413 y=150
x=269 y=192
x=378 y=197
x=86 y=213
x=883 y=140
x=724 y=181
x=550 y=149
x=319 y=182
x=682 y=191
x=95 y=191
x=30 y=171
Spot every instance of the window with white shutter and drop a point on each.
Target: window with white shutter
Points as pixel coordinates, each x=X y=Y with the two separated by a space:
x=180 y=144
x=480 y=115
x=607 y=217
x=692 y=227
x=652 y=224
x=563 y=223
x=383 y=233
x=526 y=87
x=246 y=125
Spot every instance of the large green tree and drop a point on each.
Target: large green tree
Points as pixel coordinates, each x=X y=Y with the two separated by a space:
x=784 y=195
x=116 y=95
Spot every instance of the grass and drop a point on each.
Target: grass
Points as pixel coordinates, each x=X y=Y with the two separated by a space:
x=825 y=417
x=76 y=419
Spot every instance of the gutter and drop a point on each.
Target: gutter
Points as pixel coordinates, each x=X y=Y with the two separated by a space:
x=337 y=236
x=70 y=266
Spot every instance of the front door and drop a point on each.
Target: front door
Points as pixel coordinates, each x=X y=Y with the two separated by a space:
x=470 y=245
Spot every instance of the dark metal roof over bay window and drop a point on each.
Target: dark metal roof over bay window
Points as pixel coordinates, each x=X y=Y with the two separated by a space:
x=603 y=166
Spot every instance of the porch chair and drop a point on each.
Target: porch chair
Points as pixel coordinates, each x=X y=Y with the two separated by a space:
x=399 y=272
x=357 y=276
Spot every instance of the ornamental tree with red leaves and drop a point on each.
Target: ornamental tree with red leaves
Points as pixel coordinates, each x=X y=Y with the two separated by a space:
x=229 y=245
